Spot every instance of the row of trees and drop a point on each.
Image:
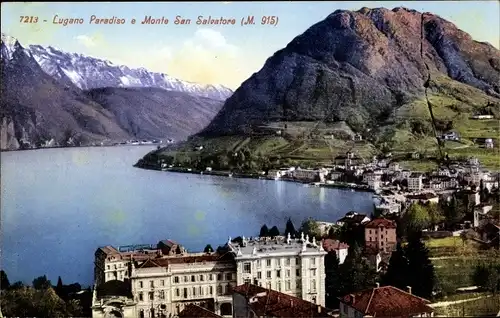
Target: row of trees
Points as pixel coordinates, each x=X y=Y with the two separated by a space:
x=41 y=299
x=308 y=227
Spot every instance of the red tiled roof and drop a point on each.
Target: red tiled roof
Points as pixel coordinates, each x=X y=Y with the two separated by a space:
x=387 y=301
x=193 y=310
x=422 y=196
x=334 y=245
x=272 y=303
x=165 y=261
x=375 y=223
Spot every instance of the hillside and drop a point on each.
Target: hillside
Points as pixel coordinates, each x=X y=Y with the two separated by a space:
x=366 y=68
x=41 y=108
x=153 y=113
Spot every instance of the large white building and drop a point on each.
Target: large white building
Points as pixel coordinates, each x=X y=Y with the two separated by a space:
x=292 y=266
x=162 y=281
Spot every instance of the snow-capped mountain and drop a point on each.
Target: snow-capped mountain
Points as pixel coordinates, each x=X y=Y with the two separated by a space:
x=87 y=72
x=44 y=107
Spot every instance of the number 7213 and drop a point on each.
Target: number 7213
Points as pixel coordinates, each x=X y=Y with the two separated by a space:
x=28 y=19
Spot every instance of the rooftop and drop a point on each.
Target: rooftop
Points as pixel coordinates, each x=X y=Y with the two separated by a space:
x=333 y=245
x=278 y=245
x=375 y=223
x=422 y=196
x=270 y=303
x=387 y=301
x=186 y=259
x=193 y=310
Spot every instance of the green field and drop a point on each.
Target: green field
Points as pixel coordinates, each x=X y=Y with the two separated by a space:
x=488 y=306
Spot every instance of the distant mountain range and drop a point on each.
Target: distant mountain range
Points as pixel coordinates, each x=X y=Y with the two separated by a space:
x=59 y=98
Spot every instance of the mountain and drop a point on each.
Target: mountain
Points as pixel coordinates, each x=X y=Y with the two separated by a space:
x=39 y=110
x=150 y=113
x=361 y=67
x=87 y=73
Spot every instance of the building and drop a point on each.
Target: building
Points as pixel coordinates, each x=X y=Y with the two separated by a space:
x=415 y=182
x=373 y=179
x=113 y=299
x=353 y=218
x=451 y=135
x=114 y=264
x=384 y=302
x=394 y=166
x=488 y=143
x=251 y=301
x=192 y=310
x=334 y=246
x=295 y=267
x=166 y=285
x=310 y=175
x=380 y=234
x=482 y=117
x=423 y=198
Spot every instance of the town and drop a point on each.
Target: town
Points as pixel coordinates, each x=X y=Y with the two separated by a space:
x=349 y=267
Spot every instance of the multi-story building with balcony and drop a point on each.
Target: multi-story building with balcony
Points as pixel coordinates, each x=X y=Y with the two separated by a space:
x=163 y=281
x=292 y=266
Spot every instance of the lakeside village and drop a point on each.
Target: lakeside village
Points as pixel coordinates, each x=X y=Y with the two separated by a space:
x=381 y=264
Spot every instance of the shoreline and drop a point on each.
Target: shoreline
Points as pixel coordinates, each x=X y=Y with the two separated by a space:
x=240 y=175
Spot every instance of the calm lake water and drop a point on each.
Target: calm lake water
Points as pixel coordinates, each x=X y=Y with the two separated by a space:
x=59 y=205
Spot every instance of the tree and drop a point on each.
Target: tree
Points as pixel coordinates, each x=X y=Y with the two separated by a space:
x=264 y=231
x=356 y=273
x=290 y=228
x=17 y=285
x=4 y=280
x=487 y=276
x=333 y=280
x=41 y=282
x=397 y=272
x=435 y=212
x=273 y=232
x=208 y=249
x=421 y=275
x=416 y=218
x=60 y=288
x=310 y=227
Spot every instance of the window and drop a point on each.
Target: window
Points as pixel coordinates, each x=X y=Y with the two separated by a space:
x=247 y=268
x=297 y=261
x=162 y=294
x=287 y=262
x=162 y=282
x=140 y=284
x=370 y=231
x=268 y=263
x=201 y=278
x=176 y=279
x=247 y=281
x=288 y=285
x=219 y=276
x=313 y=272
x=268 y=274
x=269 y=285
x=299 y=283
x=210 y=290
x=259 y=275
x=297 y=272
x=151 y=284
x=278 y=262
x=140 y=297
x=313 y=285
x=278 y=273
x=200 y=291
x=210 y=277
x=229 y=276
x=185 y=293
x=279 y=286
x=287 y=273
x=177 y=292
x=186 y=279
x=152 y=312
x=382 y=236
x=258 y=263
x=219 y=289
x=109 y=267
x=313 y=261
x=141 y=313
x=194 y=291
x=193 y=279
x=151 y=296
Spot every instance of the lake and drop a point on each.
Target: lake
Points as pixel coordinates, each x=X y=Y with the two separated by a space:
x=59 y=205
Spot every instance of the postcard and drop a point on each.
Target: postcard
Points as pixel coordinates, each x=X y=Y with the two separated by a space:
x=250 y=159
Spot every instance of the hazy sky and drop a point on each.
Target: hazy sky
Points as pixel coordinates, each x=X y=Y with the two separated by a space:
x=217 y=54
